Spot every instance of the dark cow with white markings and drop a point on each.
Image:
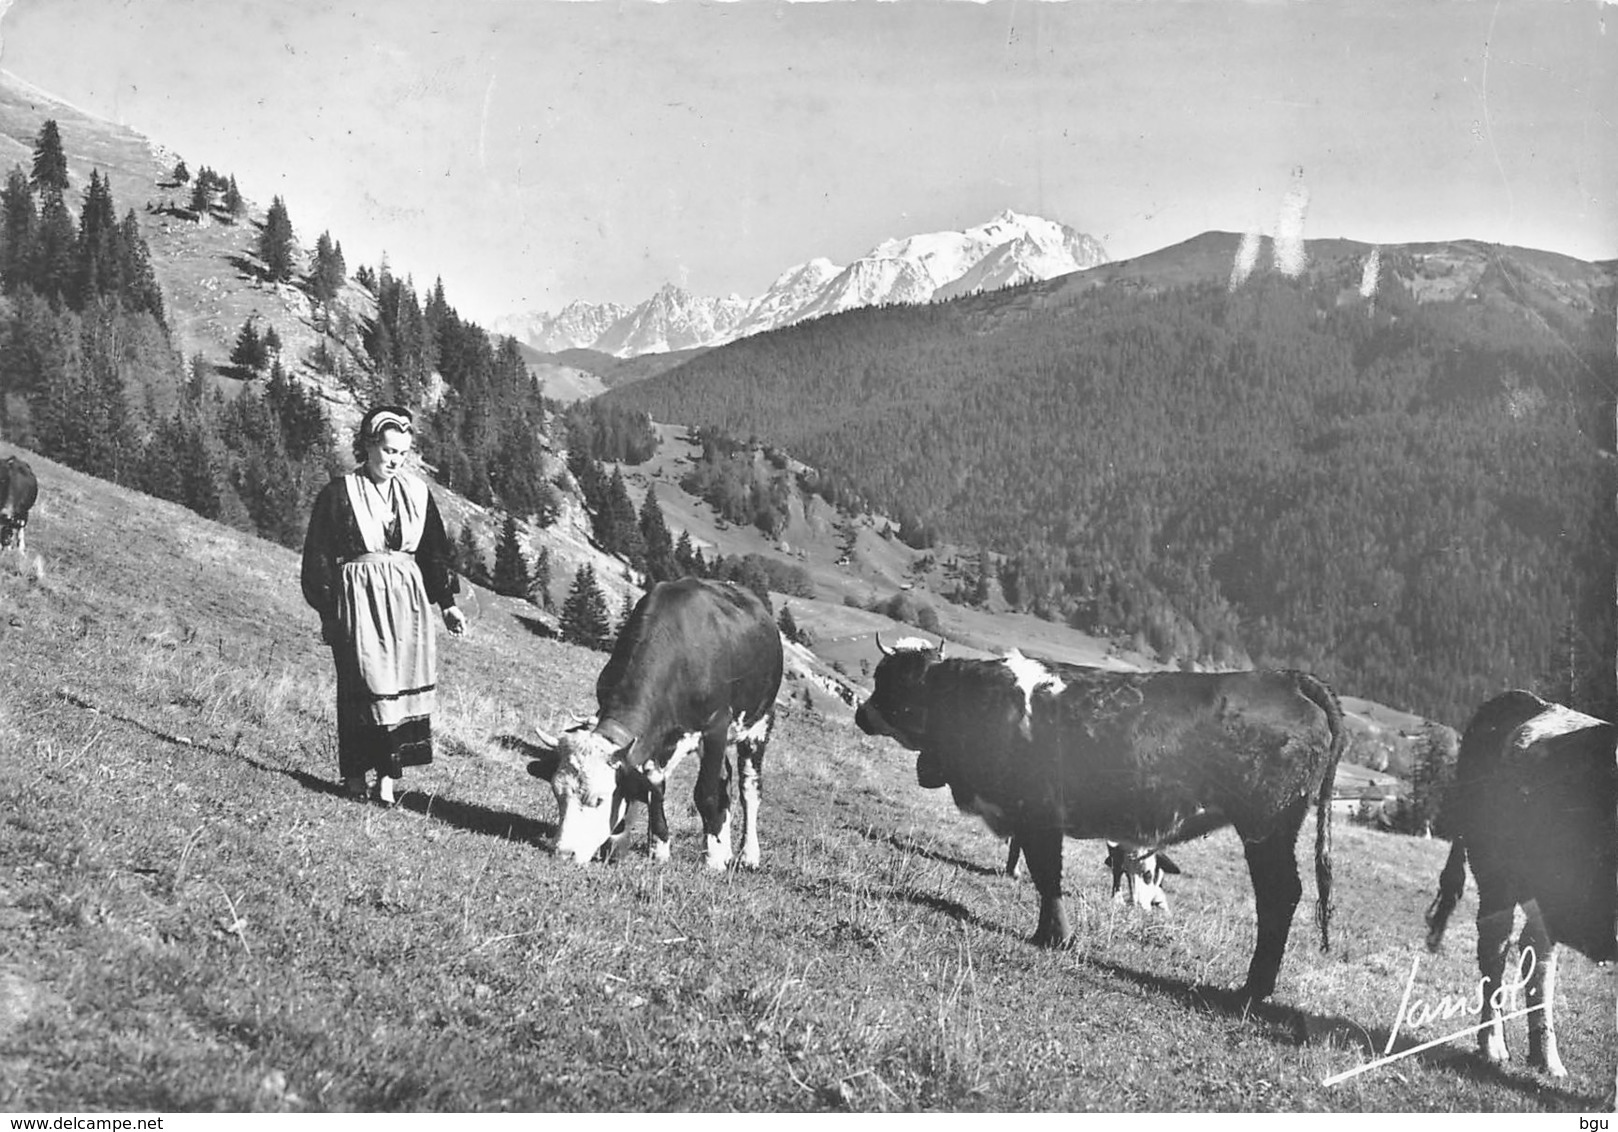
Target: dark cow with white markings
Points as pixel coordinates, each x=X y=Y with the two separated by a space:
x=1535 y=809
x=18 y=491
x=1137 y=873
x=697 y=667
x=1043 y=750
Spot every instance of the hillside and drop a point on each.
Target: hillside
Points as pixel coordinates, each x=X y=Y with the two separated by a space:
x=211 y=279
x=1394 y=469
x=195 y=920
x=212 y=282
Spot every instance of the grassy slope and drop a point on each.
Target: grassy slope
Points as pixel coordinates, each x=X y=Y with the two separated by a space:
x=193 y=919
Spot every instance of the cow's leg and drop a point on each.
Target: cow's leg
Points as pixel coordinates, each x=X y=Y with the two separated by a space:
x=1536 y=941
x=629 y=813
x=1494 y=941
x=1014 y=858
x=713 y=798
x=1272 y=863
x=750 y=766
x=1042 y=849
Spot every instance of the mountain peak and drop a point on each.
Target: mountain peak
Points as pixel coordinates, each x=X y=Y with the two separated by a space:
x=1009 y=248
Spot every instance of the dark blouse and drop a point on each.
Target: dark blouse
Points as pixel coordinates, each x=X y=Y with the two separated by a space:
x=334 y=538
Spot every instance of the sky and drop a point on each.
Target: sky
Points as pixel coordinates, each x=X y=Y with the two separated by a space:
x=535 y=152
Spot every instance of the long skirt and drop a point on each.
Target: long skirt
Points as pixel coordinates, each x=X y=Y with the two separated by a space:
x=387 y=667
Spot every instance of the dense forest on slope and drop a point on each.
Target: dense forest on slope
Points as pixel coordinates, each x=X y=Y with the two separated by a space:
x=1413 y=498
x=90 y=374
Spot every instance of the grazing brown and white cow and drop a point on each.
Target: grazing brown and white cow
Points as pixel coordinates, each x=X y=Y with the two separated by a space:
x=1043 y=750
x=1137 y=874
x=696 y=668
x=18 y=491
x=1535 y=808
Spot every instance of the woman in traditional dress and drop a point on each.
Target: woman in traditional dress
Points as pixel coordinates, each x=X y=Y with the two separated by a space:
x=375 y=562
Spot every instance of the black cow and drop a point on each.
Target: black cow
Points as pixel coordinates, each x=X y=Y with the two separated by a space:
x=1043 y=750
x=18 y=490
x=1535 y=807
x=697 y=665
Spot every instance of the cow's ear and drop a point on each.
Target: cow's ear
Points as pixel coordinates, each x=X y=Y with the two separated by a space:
x=619 y=759
x=1166 y=863
x=545 y=765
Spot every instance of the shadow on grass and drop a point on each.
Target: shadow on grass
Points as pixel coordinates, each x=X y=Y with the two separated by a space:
x=1288 y=1025
x=916 y=849
x=957 y=911
x=463 y=815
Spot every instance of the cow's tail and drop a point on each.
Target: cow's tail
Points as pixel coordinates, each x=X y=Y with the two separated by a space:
x=1320 y=692
x=1451 y=883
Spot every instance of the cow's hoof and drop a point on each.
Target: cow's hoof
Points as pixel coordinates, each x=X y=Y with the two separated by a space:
x=1250 y=994
x=658 y=850
x=1053 y=941
x=1493 y=1047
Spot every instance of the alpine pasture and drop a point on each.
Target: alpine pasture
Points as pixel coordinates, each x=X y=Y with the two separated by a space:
x=195 y=919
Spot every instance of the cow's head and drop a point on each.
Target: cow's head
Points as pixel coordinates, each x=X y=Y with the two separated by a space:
x=583 y=768
x=1137 y=875
x=898 y=704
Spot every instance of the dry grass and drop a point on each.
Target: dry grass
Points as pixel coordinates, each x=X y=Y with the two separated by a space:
x=191 y=918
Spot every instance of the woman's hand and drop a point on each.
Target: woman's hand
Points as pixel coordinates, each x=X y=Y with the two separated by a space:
x=454 y=620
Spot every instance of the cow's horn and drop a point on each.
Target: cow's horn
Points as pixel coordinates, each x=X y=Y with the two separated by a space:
x=940 y=648
x=546 y=739
x=880 y=647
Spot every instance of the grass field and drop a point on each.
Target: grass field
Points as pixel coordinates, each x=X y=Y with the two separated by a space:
x=191 y=918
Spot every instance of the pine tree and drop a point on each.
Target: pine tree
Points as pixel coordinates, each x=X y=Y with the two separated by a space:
x=618 y=528
x=249 y=352
x=181 y=174
x=624 y=612
x=1432 y=770
x=585 y=620
x=275 y=243
x=468 y=555
x=510 y=567
x=100 y=267
x=201 y=201
x=234 y=205
x=788 y=624
x=50 y=162
x=139 y=290
x=661 y=565
x=539 y=584
x=327 y=272
x=685 y=555
x=55 y=260
x=19 y=221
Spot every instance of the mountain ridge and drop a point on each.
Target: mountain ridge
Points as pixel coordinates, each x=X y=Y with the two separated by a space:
x=1008 y=249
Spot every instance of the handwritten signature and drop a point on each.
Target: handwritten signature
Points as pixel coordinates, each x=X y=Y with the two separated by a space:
x=1422 y=1013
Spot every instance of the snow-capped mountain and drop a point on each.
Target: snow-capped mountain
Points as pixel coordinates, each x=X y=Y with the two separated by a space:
x=575 y=325
x=673 y=319
x=1008 y=249
x=790 y=294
